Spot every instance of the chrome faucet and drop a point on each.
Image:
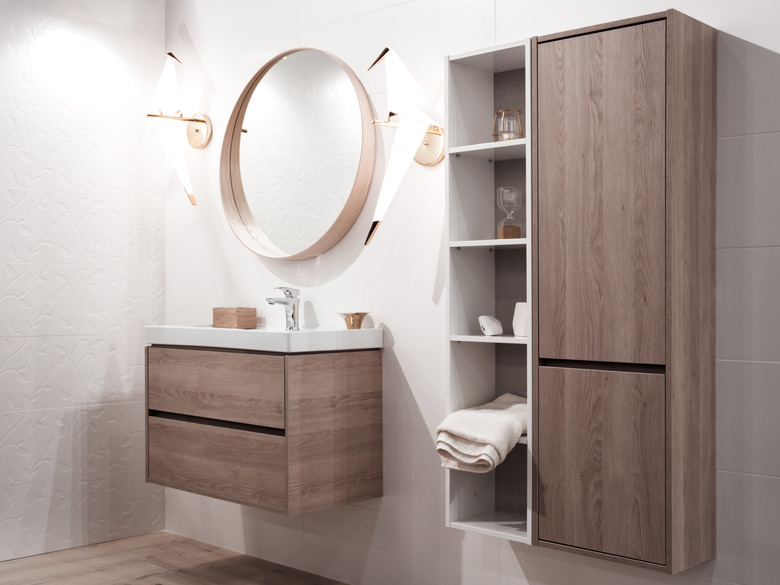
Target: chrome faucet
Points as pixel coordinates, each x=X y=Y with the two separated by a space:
x=290 y=304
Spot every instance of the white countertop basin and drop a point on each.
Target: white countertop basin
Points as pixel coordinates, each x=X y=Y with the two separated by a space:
x=273 y=339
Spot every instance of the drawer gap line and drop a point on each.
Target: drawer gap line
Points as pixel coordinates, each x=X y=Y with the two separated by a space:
x=608 y=366
x=212 y=422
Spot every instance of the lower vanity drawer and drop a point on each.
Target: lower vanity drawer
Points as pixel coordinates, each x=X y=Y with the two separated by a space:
x=239 y=465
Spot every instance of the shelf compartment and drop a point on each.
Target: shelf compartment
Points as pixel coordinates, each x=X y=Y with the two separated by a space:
x=479 y=84
x=494 y=151
x=493 y=503
x=483 y=371
x=485 y=281
x=472 y=183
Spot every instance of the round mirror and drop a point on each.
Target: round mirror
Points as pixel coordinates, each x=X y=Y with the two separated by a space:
x=298 y=156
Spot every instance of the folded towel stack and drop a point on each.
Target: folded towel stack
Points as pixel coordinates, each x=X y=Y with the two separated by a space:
x=479 y=438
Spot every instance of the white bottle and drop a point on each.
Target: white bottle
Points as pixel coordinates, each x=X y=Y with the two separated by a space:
x=520 y=320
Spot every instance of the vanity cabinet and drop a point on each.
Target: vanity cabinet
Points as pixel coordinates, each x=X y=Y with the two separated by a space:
x=291 y=433
x=624 y=195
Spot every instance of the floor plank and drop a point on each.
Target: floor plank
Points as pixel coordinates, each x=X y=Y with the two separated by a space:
x=161 y=558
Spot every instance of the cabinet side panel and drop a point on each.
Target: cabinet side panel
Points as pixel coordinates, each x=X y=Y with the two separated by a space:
x=690 y=281
x=535 y=295
x=146 y=409
x=334 y=428
x=601 y=182
x=601 y=469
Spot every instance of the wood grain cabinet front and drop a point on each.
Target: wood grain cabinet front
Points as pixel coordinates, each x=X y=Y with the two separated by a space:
x=624 y=367
x=231 y=464
x=287 y=433
x=602 y=461
x=602 y=176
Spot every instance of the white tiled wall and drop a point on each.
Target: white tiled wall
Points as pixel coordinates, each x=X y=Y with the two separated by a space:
x=82 y=256
x=81 y=269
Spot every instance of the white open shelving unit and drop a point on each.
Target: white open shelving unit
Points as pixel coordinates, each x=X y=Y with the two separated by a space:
x=487 y=276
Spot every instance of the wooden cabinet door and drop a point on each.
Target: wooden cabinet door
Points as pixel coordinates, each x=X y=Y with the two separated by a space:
x=602 y=461
x=601 y=181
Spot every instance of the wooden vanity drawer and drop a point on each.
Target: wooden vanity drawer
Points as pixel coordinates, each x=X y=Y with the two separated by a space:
x=240 y=387
x=242 y=466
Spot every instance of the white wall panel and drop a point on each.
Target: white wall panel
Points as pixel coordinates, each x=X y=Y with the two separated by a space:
x=81 y=269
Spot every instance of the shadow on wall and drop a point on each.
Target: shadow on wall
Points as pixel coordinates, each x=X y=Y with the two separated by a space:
x=748 y=87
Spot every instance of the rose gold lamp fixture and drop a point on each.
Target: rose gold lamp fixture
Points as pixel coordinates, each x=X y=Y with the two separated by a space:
x=168 y=111
x=419 y=136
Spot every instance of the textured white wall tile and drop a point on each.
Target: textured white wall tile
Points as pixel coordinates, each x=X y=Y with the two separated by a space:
x=53 y=515
x=413 y=477
x=414 y=226
x=412 y=309
x=59 y=228
x=762 y=33
x=37 y=518
x=180 y=519
x=748 y=178
x=267 y=535
x=76 y=300
x=420 y=32
x=117 y=505
x=355 y=545
x=748 y=540
x=748 y=87
x=81 y=256
x=748 y=403
x=43 y=445
x=747 y=320
x=57 y=372
x=468 y=558
x=315 y=14
x=418 y=378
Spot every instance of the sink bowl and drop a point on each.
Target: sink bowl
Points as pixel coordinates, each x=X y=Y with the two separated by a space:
x=273 y=339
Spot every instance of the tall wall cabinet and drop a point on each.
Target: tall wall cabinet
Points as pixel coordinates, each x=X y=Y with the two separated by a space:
x=619 y=367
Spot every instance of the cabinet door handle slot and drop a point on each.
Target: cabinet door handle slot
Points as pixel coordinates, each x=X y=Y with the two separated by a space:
x=212 y=422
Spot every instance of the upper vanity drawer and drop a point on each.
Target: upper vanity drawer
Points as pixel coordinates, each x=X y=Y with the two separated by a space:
x=239 y=387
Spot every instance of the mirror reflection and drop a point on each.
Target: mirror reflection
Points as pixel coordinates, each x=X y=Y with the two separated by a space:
x=300 y=153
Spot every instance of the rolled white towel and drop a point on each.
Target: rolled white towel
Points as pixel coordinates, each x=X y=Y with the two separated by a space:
x=479 y=438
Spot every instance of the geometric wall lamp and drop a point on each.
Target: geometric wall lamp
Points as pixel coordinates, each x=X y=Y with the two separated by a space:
x=168 y=111
x=419 y=136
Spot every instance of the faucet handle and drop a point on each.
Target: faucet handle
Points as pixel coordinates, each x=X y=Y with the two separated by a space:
x=290 y=293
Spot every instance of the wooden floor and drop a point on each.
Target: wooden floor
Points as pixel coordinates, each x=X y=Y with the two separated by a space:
x=161 y=558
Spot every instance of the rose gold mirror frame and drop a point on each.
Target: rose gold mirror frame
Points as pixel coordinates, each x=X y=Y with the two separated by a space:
x=234 y=200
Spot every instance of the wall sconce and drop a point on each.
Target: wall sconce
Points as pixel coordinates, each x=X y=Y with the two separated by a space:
x=419 y=136
x=199 y=129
